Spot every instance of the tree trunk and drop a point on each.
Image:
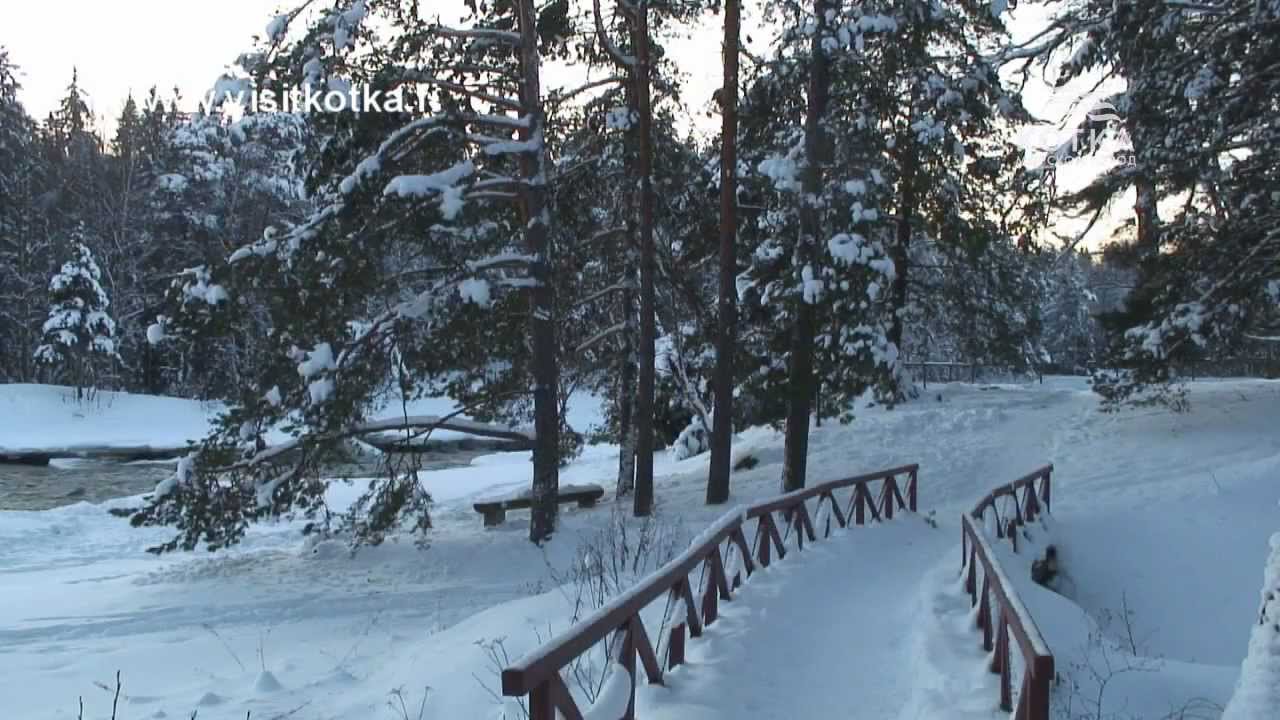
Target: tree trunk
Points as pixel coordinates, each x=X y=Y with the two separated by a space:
x=800 y=389
x=626 y=390
x=900 y=251
x=726 y=336
x=542 y=328
x=648 y=323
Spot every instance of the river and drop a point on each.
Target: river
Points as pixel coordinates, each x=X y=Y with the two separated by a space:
x=64 y=482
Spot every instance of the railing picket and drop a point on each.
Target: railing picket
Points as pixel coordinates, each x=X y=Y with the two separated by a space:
x=835 y=509
x=970 y=582
x=1023 y=711
x=872 y=506
x=984 y=613
x=644 y=649
x=542 y=703
x=1038 y=683
x=1006 y=669
x=764 y=541
x=675 y=647
x=912 y=491
x=626 y=657
x=718 y=575
x=710 y=601
x=740 y=539
x=690 y=608
x=776 y=537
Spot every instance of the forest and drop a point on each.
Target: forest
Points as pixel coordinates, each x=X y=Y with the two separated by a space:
x=547 y=218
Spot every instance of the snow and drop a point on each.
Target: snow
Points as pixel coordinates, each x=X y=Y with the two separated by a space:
x=48 y=417
x=1171 y=513
x=444 y=184
x=1257 y=694
x=614 y=697
x=819 y=634
x=317 y=361
x=155 y=332
x=475 y=290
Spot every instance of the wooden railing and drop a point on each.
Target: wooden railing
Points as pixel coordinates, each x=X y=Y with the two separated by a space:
x=538 y=674
x=1021 y=501
x=997 y=596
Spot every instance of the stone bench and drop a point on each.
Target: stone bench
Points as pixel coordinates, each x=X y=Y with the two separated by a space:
x=495 y=511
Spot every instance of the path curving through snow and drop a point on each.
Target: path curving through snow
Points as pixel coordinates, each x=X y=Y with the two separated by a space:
x=820 y=634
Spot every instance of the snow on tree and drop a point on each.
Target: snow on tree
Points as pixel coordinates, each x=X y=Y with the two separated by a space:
x=362 y=297
x=815 y=277
x=79 y=332
x=24 y=249
x=1204 y=152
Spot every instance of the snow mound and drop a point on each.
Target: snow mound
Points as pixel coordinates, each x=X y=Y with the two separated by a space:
x=1257 y=694
x=267 y=683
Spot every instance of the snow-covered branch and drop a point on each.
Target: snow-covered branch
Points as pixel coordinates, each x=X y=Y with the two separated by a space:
x=600 y=336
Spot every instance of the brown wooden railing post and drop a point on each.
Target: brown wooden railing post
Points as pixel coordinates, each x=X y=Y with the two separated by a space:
x=1002 y=659
x=675 y=647
x=627 y=659
x=1046 y=493
x=1039 y=682
x=542 y=703
x=764 y=539
x=710 y=600
x=971 y=582
x=911 y=488
x=984 y=614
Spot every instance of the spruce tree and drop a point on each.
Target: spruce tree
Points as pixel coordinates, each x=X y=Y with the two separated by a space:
x=79 y=334
x=25 y=244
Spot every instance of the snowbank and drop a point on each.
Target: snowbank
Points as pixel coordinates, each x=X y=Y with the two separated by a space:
x=48 y=418
x=1257 y=695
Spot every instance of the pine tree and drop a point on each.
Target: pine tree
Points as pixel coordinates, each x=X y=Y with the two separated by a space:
x=726 y=297
x=430 y=250
x=79 y=333
x=1203 y=152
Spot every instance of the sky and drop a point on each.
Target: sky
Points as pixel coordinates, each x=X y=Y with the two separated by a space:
x=119 y=46
x=123 y=46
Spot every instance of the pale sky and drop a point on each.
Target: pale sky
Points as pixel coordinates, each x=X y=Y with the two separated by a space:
x=124 y=45
x=119 y=46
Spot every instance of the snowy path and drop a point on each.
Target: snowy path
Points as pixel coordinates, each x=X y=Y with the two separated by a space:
x=785 y=649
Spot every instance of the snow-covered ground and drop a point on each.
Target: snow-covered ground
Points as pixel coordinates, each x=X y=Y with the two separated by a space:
x=49 y=417
x=1167 y=515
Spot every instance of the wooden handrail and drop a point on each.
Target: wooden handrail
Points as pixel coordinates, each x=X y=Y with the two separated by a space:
x=998 y=595
x=538 y=673
x=1030 y=494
